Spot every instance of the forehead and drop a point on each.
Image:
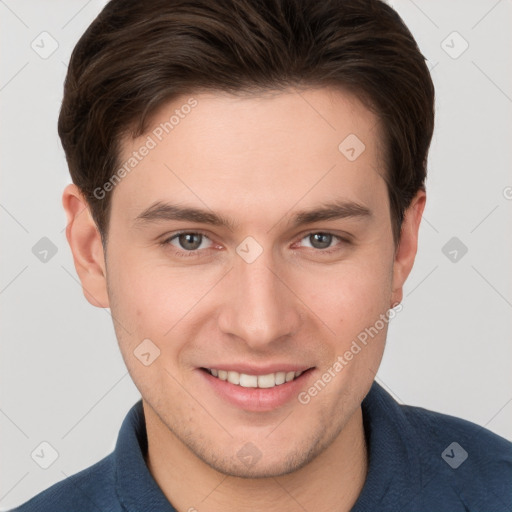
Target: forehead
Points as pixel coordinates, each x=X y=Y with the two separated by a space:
x=254 y=152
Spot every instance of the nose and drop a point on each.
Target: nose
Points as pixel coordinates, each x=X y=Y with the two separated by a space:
x=258 y=306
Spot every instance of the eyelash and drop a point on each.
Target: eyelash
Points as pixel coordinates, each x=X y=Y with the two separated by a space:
x=196 y=252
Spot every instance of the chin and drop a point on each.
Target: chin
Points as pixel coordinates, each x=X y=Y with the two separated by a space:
x=250 y=463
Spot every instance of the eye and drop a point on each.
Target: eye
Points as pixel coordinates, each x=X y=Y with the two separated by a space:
x=189 y=241
x=321 y=240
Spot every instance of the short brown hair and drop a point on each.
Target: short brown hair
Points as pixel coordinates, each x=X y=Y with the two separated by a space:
x=136 y=56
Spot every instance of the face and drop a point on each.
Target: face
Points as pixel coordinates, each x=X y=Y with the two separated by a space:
x=246 y=245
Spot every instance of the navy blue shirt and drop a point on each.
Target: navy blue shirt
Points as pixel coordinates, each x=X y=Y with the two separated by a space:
x=419 y=461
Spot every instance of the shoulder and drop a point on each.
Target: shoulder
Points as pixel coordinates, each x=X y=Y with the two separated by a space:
x=92 y=488
x=422 y=460
x=482 y=443
x=473 y=461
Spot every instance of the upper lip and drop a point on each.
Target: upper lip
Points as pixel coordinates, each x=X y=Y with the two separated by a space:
x=250 y=369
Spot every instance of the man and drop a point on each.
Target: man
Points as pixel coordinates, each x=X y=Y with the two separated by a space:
x=248 y=185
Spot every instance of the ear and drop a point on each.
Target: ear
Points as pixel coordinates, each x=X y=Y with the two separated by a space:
x=85 y=242
x=407 y=246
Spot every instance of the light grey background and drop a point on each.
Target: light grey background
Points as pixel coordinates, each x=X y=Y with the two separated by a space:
x=63 y=380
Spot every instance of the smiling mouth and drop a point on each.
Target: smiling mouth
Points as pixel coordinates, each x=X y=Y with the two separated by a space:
x=245 y=380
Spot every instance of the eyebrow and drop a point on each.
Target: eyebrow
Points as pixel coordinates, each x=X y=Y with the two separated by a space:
x=340 y=209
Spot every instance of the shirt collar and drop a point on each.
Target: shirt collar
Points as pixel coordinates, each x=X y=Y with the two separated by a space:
x=394 y=470
x=136 y=488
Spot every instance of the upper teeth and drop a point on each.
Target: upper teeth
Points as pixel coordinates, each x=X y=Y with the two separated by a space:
x=255 y=381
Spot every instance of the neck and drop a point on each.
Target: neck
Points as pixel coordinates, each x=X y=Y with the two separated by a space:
x=330 y=482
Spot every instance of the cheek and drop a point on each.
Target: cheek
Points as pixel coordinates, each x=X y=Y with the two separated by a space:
x=145 y=307
x=157 y=302
x=152 y=295
x=349 y=297
x=354 y=303
x=352 y=300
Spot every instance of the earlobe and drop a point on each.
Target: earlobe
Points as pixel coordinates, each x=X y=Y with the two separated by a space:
x=408 y=245
x=85 y=242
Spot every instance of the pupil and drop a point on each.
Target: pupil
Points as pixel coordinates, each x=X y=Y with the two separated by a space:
x=321 y=240
x=186 y=240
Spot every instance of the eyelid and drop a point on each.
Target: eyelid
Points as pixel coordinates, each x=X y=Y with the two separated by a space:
x=343 y=239
x=167 y=238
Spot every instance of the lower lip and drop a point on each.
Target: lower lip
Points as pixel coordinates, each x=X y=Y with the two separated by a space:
x=257 y=399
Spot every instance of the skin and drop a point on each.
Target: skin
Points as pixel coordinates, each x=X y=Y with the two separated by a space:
x=256 y=161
